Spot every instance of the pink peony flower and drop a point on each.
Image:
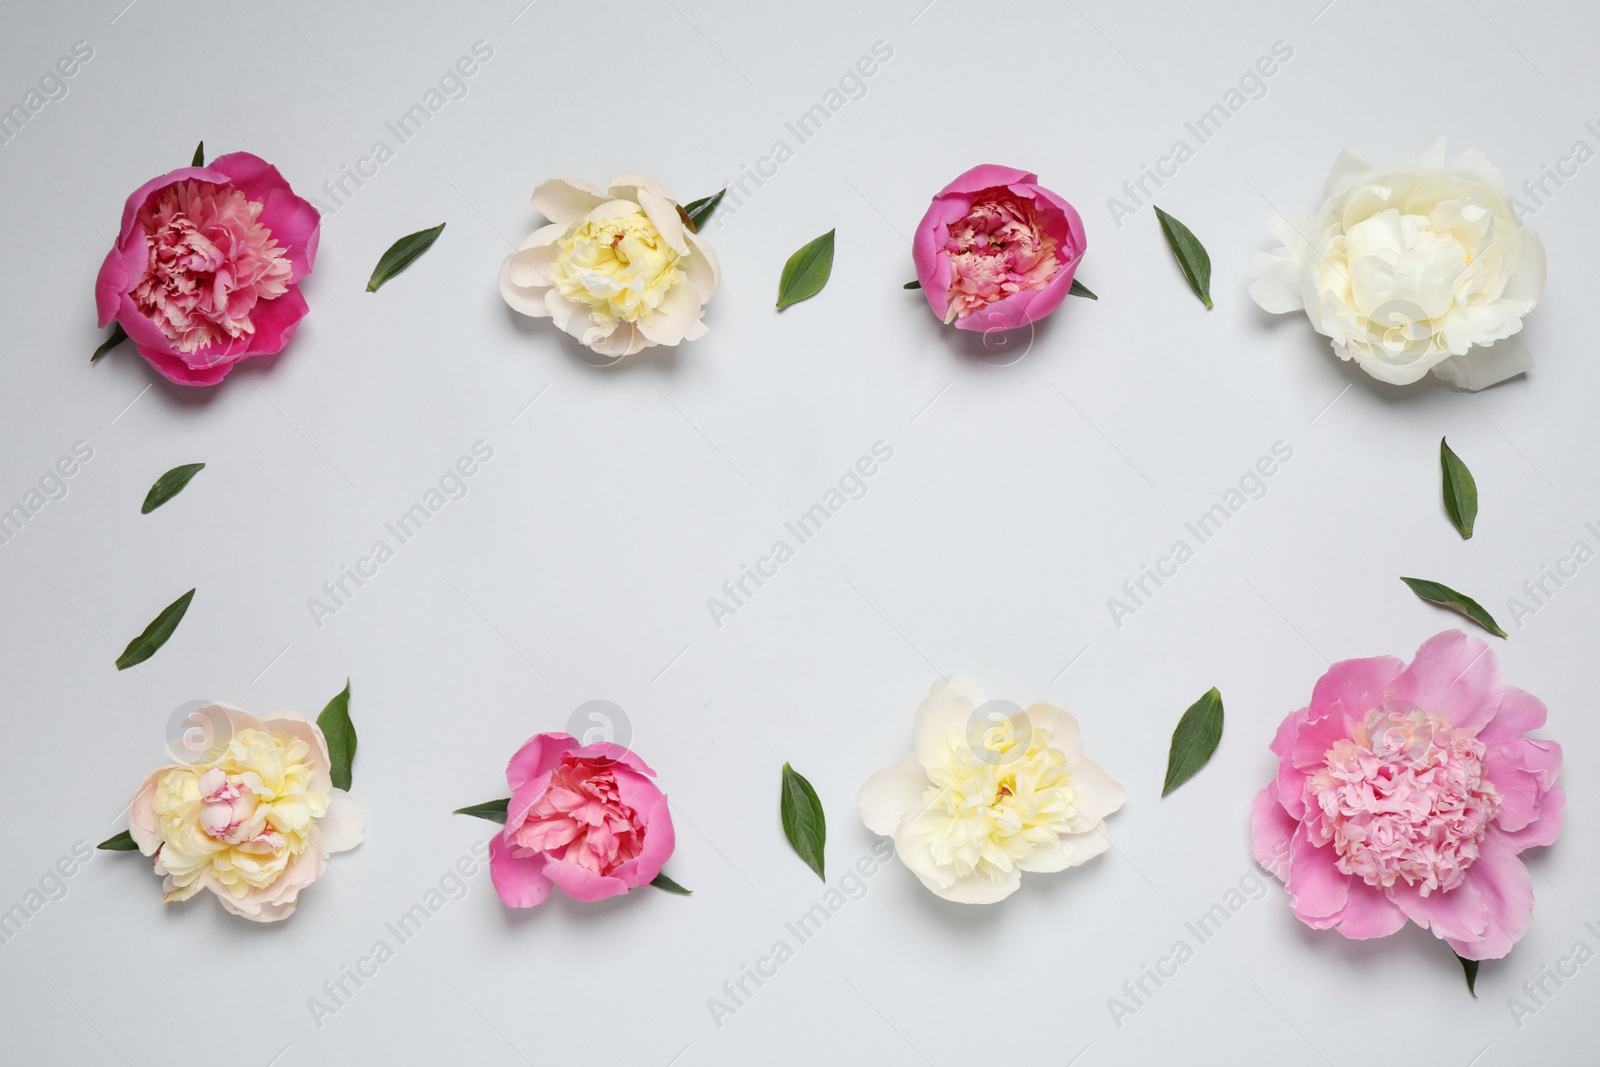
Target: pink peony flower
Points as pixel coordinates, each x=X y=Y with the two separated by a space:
x=995 y=241
x=205 y=270
x=1406 y=792
x=585 y=818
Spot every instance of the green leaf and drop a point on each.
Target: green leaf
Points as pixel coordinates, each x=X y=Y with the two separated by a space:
x=699 y=211
x=803 y=822
x=918 y=285
x=169 y=485
x=115 y=338
x=155 y=635
x=340 y=733
x=1194 y=740
x=1191 y=255
x=661 y=881
x=1460 y=491
x=401 y=254
x=1470 y=969
x=1446 y=597
x=122 y=842
x=199 y=155
x=493 y=810
x=806 y=272
x=1079 y=289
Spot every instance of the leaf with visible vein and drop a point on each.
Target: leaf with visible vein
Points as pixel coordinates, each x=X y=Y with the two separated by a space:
x=113 y=339
x=806 y=272
x=493 y=810
x=155 y=635
x=1445 y=597
x=1191 y=255
x=340 y=734
x=803 y=822
x=122 y=842
x=169 y=485
x=1460 y=491
x=402 y=254
x=699 y=211
x=1194 y=740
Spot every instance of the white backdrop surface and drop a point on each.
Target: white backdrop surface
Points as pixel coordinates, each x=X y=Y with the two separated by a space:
x=1027 y=483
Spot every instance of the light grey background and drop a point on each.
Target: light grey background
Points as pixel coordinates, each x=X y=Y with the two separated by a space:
x=1021 y=494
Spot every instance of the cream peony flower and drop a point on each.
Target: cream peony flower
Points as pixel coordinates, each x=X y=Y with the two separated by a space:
x=1410 y=268
x=253 y=821
x=991 y=791
x=618 y=270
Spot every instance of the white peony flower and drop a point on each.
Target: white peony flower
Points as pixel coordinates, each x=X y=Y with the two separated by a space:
x=618 y=270
x=991 y=791
x=1410 y=268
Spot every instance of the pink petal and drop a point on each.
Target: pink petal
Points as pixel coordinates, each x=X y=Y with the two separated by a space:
x=521 y=883
x=1369 y=913
x=1358 y=685
x=659 y=841
x=1523 y=771
x=1519 y=712
x=1459 y=914
x=1546 y=828
x=1320 y=890
x=538 y=756
x=1455 y=674
x=582 y=884
x=988 y=176
x=1506 y=892
x=1271 y=829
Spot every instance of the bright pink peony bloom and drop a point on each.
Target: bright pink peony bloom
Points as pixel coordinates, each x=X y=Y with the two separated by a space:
x=1406 y=792
x=996 y=250
x=585 y=818
x=206 y=268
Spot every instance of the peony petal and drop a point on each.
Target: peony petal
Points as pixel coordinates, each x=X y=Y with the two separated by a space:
x=978 y=888
x=297 y=726
x=1455 y=674
x=626 y=185
x=1067 y=850
x=702 y=268
x=1350 y=166
x=1271 y=829
x=344 y=826
x=1433 y=156
x=663 y=215
x=1098 y=793
x=945 y=715
x=1058 y=725
x=521 y=883
x=892 y=793
x=566 y=200
x=1486 y=366
x=1318 y=888
x=142 y=826
x=1369 y=913
x=538 y=756
x=625 y=339
x=582 y=884
x=675 y=318
x=1546 y=828
x=1519 y=712
x=1459 y=914
x=1523 y=771
x=988 y=176
x=1506 y=893
x=660 y=838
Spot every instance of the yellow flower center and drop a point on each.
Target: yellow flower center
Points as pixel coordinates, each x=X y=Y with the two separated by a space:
x=620 y=268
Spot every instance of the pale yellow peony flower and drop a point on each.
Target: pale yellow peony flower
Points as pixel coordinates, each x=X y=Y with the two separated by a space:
x=253 y=820
x=991 y=791
x=618 y=270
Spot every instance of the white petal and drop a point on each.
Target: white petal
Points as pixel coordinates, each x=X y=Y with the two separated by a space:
x=624 y=340
x=530 y=300
x=1068 y=850
x=678 y=314
x=944 y=717
x=566 y=199
x=891 y=793
x=531 y=262
x=1483 y=367
x=1432 y=156
x=625 y=185
x=663 y=215
x=569 y=317
x=705 y=274
x=1346 y=169
x=1527 y=283
x=977 y=888
x=1058 y=723
x=1475 y=164
x=345 y=824
x=1098 y=793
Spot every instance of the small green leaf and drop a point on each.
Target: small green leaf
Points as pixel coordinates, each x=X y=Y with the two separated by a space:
x=1191 y=255
x=113 y=339
x=699 y=211
x=122 y=842
x=1470 y=969
x=199 y=155
x=661 y=881
x=806 y=272
x=1460 y=491
x=912 y=285
x=1446 y=597
x=493 y=810
x=169 y=485
x=340 y=733
x=401 y=254
x=155 y=635
x=803 y=822
x=1194 y=740
x=1079 y=289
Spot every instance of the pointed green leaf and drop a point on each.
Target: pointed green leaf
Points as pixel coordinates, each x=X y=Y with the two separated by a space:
x=1446 y=597
x=1194 y=740
x=1191 y=255
x=803 y=822
x=155 y=635
x=806 y=272
x=401 y=254
x=340 y=733
x=912 y=285
x=169 y=485
x=699 y=211
x=122 y=842
x=1470 y=969
x=1079 y=289
x=493 y=810
x=1460 y=491
x=661 y=881
x=113 y=339
x=199 y=159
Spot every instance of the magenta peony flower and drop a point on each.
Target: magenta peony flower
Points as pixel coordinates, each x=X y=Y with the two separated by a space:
x=1406 y=792
x=586 y=818
x=205 y=270
x=995 y=241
